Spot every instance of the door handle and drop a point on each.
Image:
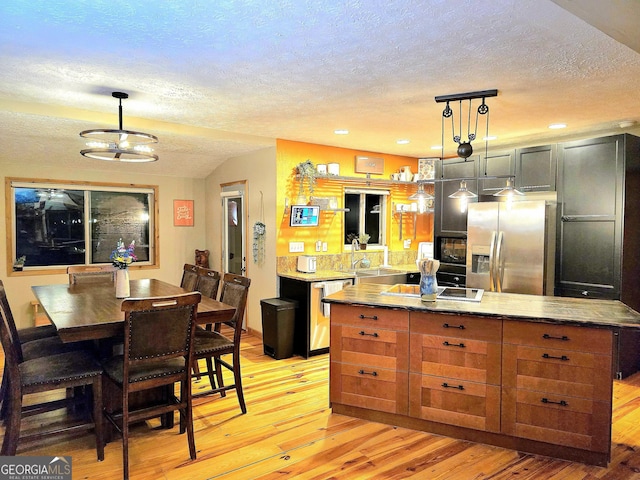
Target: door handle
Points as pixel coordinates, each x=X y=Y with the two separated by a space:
x=492 y=259
x=499 y=267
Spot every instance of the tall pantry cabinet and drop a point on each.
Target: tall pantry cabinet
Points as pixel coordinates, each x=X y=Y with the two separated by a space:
x=598 y=231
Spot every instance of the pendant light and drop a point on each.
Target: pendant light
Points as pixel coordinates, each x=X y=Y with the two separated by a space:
x=509 y=191
x=421 y=197
x=119 y=145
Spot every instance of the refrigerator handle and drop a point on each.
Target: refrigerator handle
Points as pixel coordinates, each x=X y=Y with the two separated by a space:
x=492 y=265
x=499 y=267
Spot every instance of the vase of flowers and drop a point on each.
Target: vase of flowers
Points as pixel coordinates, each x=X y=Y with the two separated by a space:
x=121 y=258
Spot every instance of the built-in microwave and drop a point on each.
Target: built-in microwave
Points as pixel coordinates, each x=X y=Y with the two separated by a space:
x=451 y=250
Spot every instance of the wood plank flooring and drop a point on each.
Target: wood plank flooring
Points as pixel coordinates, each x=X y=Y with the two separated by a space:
x=289 y=432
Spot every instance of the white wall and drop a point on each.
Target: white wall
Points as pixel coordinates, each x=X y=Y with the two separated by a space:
x=177 y=244
x=259 y=171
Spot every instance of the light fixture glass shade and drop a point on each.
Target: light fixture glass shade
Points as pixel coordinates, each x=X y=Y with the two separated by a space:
x=463 y=192
x=420 y=194
x=508 y=191
x=119 y=145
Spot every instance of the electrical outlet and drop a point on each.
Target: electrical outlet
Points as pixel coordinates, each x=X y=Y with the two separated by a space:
x=407 y=243
x=296 y=247
x=324 y=246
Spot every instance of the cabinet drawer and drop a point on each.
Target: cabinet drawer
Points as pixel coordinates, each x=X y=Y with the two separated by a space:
x=370 y=346
x=558 y=372
x=463 y=359
x=455 y=402
x=561 y=337
x=370 y=317
x=557 y=419
x=373 y=388
x=457 y=326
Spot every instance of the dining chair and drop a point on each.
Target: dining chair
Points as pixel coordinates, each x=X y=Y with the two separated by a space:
x=32 y=349
x=79 y=368
x=212 y=344
x=208 y=282
x=91 y=273
x=158 y=352
x=189 y=277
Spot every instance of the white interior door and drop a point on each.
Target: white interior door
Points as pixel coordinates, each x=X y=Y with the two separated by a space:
x=234 y=257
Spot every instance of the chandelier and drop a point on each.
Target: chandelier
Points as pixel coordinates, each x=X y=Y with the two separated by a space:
x=119 y=145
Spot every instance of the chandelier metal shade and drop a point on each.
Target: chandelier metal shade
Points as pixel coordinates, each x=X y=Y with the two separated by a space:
x=119 y=145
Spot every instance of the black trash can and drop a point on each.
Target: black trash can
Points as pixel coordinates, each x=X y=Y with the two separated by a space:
x=278 y=324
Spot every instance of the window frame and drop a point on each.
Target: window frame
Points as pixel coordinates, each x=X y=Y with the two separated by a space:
x=386 y=194
x=10 y=219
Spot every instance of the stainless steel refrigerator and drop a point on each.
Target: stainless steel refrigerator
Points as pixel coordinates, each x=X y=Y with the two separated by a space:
x=511 y=246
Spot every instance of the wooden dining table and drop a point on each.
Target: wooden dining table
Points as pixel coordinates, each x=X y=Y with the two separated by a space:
x=91 y=311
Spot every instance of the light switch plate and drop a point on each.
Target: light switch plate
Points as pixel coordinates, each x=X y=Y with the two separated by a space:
x=296 y=247
x=407 y=243
x=324 y=246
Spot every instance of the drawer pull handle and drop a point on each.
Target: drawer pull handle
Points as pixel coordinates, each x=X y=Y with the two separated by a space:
x=562 y=403
x=446 y=325
x=373 y=374
x=564 y=338
x=374 y=334
x=563 y=357
x=372 y=317
x=447 y=344
x=446 y=385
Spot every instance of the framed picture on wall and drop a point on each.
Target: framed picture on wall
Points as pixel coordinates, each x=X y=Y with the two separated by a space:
x=183 y=213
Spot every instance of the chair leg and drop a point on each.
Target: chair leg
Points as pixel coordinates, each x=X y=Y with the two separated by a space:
x=12 y=430
x=188 y=416
x=4 y=394
x=125 y=437
x=98 y=419
x=223 y=393
x=196 y=369
x=212 y=379
x=237 y=377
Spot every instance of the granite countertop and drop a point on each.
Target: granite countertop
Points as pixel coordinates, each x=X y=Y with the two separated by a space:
x=326 y=275
x=559 y=310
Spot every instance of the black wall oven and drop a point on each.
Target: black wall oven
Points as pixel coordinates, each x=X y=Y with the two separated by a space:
x=452 y=253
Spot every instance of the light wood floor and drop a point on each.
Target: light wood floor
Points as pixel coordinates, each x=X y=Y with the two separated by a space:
x=290 y=432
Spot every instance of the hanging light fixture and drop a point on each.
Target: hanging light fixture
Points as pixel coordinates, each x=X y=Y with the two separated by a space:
x=119 y=145
x=465 y=149
x=509 y=191
x=421 y=197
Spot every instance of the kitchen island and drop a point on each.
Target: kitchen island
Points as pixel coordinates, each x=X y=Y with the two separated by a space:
x=524 y=372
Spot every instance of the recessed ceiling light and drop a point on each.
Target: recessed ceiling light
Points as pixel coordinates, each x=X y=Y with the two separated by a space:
x=555 y=126
x=403 y=141
x=436 y=147
x=341 y=132
x=491 y=137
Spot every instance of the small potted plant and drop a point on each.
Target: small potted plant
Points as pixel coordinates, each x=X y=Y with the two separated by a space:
x=363 y=239
x=18 y=265
x=306 y=170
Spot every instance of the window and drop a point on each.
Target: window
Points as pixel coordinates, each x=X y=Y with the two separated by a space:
x=57 y=225
x=366 y=214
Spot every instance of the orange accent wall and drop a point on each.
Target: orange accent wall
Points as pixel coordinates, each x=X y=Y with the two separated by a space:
x=289 y=154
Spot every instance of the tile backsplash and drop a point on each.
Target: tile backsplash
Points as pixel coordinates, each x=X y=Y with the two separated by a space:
x=342 y=262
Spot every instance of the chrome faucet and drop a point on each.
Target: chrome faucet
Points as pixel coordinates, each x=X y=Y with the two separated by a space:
x=355 y=245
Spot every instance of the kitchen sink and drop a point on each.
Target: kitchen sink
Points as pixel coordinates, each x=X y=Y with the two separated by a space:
x=385 y=276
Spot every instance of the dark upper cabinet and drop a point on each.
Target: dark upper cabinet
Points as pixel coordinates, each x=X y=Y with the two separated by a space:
x=598 y=234
x=449 y=217
x=495 y=164
x=536 y=168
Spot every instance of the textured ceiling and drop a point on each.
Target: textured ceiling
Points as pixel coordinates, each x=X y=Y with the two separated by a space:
x=216 y=79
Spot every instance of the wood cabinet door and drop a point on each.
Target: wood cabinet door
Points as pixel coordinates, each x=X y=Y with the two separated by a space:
x=492 y=165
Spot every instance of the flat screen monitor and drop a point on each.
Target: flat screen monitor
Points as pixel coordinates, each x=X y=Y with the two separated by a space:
x=304 y=215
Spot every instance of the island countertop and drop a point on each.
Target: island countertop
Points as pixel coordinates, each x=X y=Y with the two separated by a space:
x=535 y=308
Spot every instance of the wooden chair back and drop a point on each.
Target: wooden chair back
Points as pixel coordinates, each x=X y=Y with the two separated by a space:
x=91 y=273
x=9 y=338
x=189 y=277
x=235 y=291
x=208 y=282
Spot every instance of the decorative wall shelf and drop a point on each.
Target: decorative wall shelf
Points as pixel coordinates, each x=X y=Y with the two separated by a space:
x=368 y=180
